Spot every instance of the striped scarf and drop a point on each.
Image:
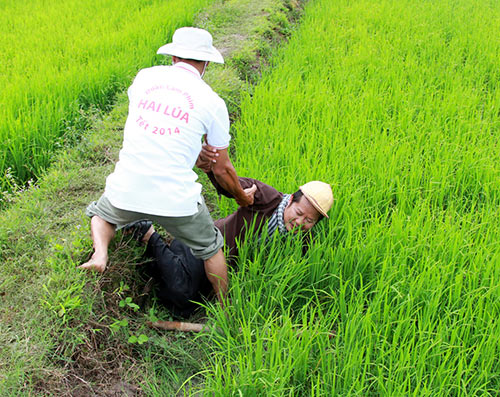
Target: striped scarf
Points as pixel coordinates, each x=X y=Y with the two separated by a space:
x=277 y=220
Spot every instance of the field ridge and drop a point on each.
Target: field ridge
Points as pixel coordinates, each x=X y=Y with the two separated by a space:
x=54 y=318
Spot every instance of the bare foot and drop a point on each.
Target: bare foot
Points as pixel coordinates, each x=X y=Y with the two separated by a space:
x=95 y=263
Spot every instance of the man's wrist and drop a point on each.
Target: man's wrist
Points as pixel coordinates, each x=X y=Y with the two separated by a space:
x=244 y=201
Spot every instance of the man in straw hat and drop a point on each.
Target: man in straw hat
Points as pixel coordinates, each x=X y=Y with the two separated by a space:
x=181 y=277
x=170 y=110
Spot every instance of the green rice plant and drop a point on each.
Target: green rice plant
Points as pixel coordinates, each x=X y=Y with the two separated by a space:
x=63 y=59
x=396 y=105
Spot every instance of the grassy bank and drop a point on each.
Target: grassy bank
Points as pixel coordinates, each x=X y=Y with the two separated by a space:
x=64 y=332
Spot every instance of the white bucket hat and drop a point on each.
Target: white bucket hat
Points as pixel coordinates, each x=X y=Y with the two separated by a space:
x=192 y=43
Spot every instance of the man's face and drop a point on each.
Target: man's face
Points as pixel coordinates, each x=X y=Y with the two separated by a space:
x=300 y=215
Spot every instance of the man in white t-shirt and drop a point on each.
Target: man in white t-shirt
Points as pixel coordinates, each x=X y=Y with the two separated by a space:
x=171 y=109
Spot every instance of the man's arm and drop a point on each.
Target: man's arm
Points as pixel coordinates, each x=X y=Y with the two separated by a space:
x=207 y=158
x=226 y=177
x=264 y=195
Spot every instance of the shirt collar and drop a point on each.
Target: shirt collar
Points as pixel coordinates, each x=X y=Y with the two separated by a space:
x=188 y=67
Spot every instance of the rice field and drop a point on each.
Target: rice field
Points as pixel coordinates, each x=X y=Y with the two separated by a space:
x=397 y=105
x=61 y=60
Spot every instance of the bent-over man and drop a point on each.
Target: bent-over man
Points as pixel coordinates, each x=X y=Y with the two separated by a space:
x=170 y=110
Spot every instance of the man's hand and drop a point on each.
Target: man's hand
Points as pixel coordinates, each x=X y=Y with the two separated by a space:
x=207 y=157
x=250 y=192
x=204 y=165
x=209 y=153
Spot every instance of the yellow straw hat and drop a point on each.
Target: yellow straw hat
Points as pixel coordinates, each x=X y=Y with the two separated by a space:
x=319 y=195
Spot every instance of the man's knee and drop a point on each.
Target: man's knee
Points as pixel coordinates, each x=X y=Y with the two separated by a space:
x=211 y=249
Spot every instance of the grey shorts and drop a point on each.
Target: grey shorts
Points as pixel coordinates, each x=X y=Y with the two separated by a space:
x=197 y=231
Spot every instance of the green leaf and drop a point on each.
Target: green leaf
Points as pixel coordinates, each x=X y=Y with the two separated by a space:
x=142 y=338
x=132 y=339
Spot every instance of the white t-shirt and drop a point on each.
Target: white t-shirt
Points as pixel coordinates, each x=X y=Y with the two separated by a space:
x=170 y=109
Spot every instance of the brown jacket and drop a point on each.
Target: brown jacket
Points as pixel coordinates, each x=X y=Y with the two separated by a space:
x=235 y=226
